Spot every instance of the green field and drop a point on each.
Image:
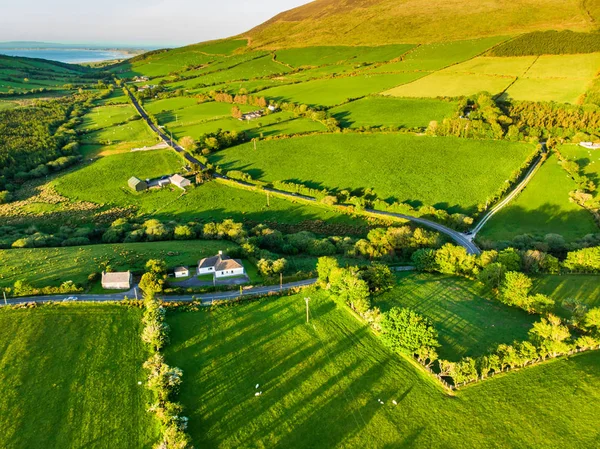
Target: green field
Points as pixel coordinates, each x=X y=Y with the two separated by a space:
x=69 y=378
x=106 y=116
x=136 y=131
x=331 y=92
x=387 y=111
x=589 y=160
x=317 y=56
x=542 y=208
x=51 y=266
x=456 y=174
x=469 y=321
x=582 y=287
x=320 y=384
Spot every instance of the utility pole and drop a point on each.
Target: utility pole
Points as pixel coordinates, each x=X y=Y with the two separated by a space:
x=4 y=293
x=268 y=199
x=280 y=281
x=135 y=291
x=254 y=140
x=307 y=299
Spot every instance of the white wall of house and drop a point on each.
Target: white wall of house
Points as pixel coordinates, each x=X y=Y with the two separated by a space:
x=182 y=274
x=229 y=273
x=206 y=270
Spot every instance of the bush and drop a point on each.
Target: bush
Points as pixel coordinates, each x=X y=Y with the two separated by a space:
x=406 y=331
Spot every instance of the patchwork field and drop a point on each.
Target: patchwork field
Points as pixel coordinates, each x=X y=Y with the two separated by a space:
x=105 y=116
x=76 y=364
x=542 y=208
x=316 y=56
x=331 y=92
x=456 y=174
x=388 y=111
x=469 y=322
x=321 y=383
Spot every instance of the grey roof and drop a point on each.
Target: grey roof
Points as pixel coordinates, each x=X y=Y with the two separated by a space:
x=209 y=262
x=228 y=264
x=117 y=277
x=133 y=181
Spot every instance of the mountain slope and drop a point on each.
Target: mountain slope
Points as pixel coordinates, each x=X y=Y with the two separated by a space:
x=373 y=22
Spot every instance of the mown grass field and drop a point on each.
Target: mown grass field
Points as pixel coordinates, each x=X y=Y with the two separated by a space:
x=320 y=384
x=136 y=131
x=469 y=321
x=69 y=378
x=456 y=174
x=582 y=287
x=589 y=160
x=542 y=208
x=387 y=111
x=105 y=116
x=52 y=266
x=334 y=91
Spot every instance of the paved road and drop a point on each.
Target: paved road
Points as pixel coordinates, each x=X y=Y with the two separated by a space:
x=534 y=168
x=206 y=298
x=458 y=237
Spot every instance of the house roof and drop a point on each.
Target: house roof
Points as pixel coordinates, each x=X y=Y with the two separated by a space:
x=178 y=179
x=181 y=269
x=209 y=262
x=117 y=277
x=133 y=181
x=228 y=264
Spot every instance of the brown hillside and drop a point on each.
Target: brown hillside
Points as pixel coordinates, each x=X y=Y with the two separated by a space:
x=373 y=22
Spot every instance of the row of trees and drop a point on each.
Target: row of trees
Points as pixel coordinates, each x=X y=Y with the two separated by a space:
x=163 y=381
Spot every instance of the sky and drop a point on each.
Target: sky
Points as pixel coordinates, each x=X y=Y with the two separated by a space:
x=134 y=22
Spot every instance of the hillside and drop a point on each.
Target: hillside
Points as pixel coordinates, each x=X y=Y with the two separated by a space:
x=373 y=22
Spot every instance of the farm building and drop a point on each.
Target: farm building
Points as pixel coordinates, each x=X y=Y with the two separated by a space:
x=221 y=266
x=181 y=272
x=137 y=79
x=117 y=281
x=136 y=184
x=590 y=145
x=251 y=115
x=180 y=181
x=164 y=182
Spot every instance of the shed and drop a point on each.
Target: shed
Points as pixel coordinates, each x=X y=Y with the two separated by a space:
x=181 y=272
x=117 y=280
x=137 y=184
x=180 y=181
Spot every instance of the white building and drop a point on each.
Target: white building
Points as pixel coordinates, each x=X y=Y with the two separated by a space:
x=180 y=181
x=221 y=266
x=116 y=281
x=181 y=272
x=590 y=145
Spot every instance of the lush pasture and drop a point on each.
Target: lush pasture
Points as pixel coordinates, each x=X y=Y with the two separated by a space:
x=290 y=127
x=169 y=104
x=448 y=84
x=69 y=378
x=469 y=322
x=234 y=87
x=547 y=89
x=331 y=92
x=486 y=65
x=433 y=57
x=582 y=287
x=317 y=56
x=542 y=208
x=588 y=159
x=105 y=116
x=453 y=173
x=320 y=384
x=105 y=180
x=198 y=113
x=52 y=266
x=223 y=47
x=321 y=72
x=136 y=132
x=566 y=66
x=388 y=111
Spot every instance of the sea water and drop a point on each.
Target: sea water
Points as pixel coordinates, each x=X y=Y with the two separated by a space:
x=69 y=55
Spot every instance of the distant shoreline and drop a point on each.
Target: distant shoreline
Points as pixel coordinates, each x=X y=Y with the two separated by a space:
x=75 y=55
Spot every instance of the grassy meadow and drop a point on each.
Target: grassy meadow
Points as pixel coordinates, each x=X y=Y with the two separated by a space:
x=456 y=174
x=321 y=383
x=469 y=321
x=542 y=208
x=581 y=287
x=325 y=55
x=389 y=111
x=69 y=378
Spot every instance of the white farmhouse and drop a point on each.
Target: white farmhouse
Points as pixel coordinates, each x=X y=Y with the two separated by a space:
x=221 y=266
x=180 y=181
x=116 y=281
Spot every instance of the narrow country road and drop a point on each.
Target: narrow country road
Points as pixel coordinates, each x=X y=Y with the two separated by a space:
x=458 y=237
x=206 y=298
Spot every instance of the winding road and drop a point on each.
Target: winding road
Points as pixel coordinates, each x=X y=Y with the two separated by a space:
x=206 y=299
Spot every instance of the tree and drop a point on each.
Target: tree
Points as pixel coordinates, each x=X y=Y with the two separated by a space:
x=510 y=258
x=154 y=279
x=515 y=288
x=492 y=275
x=236 y=112
x=591 y=321
x=349 y=288
x=187 y=143
x=452 y=259
x=379 y=277
x=183 y=232
x=406 y=331
x=550 y=335
x=325 y=265
x=424 y=260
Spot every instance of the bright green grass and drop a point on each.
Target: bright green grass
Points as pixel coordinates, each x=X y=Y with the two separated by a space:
x=291 y=127
x=69 y=378
x=433 y=57
x=566 y=66
x=548 y=89
x=222 y=64
x=234 y=87
x=7 y=105
x=169 y=104
x=105 y=180
x=253 y=127
x=224 y=47
x=486 y=65
x=320 y=384
x=197 y=113
x=316 y=56
x=105 y=116
x=331 y=92
x=542 y=208
x=470 y=323
x=448 y=84
x=321 y=72
x=52 y=266
x=582 y=287
x=117 y=96
x=387 y=111
x=588 y=159
x=453 y=173
x=136 y=131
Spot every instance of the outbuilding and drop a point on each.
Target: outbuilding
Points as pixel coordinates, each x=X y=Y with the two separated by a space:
x=181 y=272
x=180 y=181
x=136 y=184
x=117 y=280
